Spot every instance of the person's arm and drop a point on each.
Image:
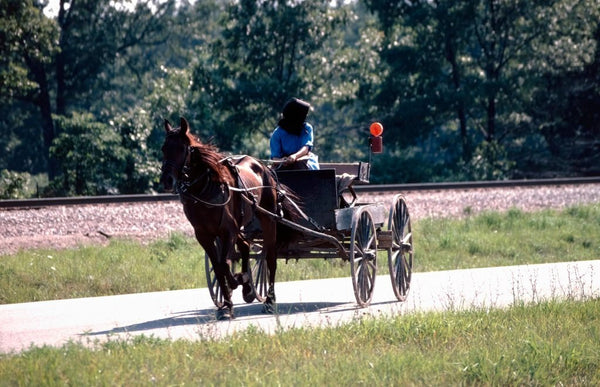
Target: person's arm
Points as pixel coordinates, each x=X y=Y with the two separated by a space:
x=295 y=156
x=307 y=139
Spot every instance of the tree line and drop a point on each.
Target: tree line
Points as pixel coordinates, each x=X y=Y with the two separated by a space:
x=466 y=90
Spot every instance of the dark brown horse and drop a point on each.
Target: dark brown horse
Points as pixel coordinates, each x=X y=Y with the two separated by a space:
x=220 y=196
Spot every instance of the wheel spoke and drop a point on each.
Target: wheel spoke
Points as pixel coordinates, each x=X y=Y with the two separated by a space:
x=363 y=256
x=371 y=264
x=260 y=279
x=401 y=251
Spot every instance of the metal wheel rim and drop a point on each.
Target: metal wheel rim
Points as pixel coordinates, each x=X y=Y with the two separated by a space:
x=400 y=262
x=260 y=278
x=363 y=256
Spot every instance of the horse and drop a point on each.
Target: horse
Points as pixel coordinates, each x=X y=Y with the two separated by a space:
x=221 y=196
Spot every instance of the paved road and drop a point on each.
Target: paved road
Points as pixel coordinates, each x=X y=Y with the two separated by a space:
x=189 y=314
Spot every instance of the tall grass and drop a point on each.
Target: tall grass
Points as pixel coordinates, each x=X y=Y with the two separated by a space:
x=489 y=239
x=511 y=238
x=122 y=267
x=547 y=344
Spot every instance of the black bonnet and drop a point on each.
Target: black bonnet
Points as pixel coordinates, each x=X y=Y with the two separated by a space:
x=293 y=116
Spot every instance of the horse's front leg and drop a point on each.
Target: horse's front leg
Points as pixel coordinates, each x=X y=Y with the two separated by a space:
x=245 y=277
x=229 y=282
x=215 y=250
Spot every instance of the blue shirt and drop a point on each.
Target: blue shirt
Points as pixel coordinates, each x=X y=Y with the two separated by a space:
x=284 y=144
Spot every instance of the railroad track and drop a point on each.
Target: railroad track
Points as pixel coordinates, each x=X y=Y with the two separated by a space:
x=139 y=198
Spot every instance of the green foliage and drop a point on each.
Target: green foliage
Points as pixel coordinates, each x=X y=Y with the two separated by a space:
x=490 y=162
x=91 y=157
x=476 y=65
x=486 y=89
x=243 y=79
x=141 y=165
x=27 y=38
x=14 y=185
x=99 y=48
x=84 y=59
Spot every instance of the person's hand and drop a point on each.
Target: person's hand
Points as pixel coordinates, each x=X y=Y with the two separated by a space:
x=291 y=159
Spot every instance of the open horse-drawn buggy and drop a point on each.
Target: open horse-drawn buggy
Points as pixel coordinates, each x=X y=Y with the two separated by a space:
x=244 y=210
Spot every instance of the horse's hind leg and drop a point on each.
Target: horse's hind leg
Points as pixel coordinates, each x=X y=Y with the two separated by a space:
x=270 y=249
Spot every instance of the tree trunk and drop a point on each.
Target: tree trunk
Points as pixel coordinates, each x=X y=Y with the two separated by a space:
x=60 y=61
x=491 y=119
x=460 y=106
x=43 y=102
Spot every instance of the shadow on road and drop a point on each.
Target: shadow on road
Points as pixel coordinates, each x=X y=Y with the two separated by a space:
x=207 y=316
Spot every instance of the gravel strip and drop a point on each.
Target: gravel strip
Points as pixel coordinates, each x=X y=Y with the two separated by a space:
x=69 y=226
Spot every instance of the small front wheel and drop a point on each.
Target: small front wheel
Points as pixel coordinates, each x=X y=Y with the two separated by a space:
x=363 y=256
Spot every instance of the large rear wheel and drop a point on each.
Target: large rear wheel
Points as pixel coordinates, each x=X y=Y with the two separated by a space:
x=363 y=256
x=400 y=254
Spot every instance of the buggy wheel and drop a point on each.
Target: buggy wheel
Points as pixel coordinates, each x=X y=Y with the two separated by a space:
x=400 y=254
x=211 y=279
x=363 y=256
x=259 y=274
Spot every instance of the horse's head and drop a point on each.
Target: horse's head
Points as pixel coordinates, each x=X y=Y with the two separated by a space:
x=175 y=150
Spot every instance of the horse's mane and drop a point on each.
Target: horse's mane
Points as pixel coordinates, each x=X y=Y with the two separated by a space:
x=209 y=155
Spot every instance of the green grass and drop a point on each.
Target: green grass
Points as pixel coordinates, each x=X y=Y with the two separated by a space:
x=511 y=238
x=122 y=267
x=490 y=239
x=547 y=344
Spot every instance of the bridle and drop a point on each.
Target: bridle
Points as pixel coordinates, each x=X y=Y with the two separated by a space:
x=174 y=170
x=183 y=185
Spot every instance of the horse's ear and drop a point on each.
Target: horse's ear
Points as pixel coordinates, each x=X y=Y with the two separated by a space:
x=168 y=126
x=185 y=127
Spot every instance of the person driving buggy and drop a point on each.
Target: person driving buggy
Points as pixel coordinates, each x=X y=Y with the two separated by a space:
x=292 y=140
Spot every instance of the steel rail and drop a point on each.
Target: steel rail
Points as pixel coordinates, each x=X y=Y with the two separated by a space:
x=140 y=198
x=476 y=184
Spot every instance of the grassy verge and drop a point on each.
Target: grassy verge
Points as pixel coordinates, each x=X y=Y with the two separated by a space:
x=490 y=239
x=511 y=238
x=547 y=344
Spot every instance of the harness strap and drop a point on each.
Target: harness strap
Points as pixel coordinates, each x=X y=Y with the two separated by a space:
x=241 y=186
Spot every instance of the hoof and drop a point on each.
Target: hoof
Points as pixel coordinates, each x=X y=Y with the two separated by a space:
x=269 y=308
x=224 y=314
x=248 y=293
